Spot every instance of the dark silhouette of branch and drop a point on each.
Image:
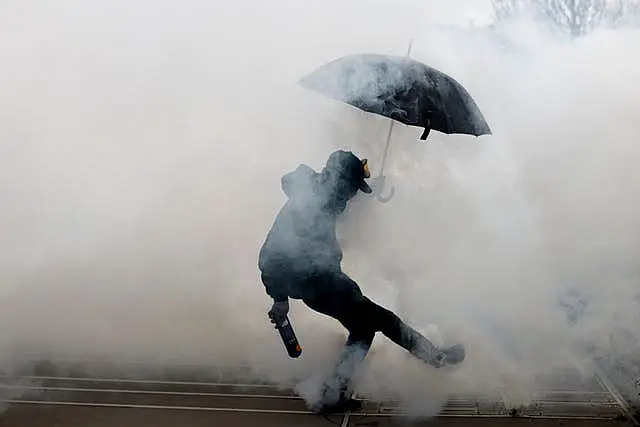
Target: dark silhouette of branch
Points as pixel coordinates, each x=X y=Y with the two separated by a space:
x=574 y=17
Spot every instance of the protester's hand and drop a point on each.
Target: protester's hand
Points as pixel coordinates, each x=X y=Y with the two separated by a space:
x=377 y=184
x=279 y=311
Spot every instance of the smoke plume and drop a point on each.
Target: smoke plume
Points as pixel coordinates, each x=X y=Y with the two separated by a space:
x=142 y=145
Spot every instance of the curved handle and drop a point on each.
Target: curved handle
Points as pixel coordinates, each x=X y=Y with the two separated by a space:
x=388 y=198
x=378 y=188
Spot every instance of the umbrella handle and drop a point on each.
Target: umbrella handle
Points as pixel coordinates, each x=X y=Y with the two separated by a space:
x=379 y=185
x=388 y=198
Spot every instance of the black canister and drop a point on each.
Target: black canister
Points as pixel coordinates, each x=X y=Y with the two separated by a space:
x=289 y=338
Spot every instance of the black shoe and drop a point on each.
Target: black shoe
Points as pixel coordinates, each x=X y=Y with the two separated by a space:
x=344 y=405
x=449 y=356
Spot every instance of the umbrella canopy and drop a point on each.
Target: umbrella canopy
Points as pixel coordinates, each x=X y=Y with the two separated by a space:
x=402 y=89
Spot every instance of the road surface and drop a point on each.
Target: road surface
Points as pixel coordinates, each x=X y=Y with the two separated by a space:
x=67 y=398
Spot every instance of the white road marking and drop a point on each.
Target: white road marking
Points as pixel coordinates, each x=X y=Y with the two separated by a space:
x=154 y=392
x=136 y=381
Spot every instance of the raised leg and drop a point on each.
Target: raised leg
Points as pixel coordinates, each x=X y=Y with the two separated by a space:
x=405 y=336
x=341 y=298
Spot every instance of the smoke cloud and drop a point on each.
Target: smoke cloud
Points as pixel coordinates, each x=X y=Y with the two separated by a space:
x=142 y=146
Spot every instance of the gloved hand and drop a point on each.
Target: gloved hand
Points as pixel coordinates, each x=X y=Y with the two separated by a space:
x=279 y=311
x=377 y=184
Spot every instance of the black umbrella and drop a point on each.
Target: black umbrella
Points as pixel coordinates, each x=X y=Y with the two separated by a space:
x=402 y=89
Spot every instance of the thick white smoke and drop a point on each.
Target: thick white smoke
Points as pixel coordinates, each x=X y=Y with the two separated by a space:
x=142 y=147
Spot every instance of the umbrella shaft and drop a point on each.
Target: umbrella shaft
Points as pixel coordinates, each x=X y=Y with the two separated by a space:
x=386 y=148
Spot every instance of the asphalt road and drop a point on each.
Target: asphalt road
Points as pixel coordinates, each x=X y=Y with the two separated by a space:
x=54 y=398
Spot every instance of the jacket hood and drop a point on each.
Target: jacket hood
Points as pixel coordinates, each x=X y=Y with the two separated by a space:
x=307 y=188
x=299 y=183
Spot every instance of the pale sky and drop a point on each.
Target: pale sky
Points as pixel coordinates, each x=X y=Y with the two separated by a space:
x=459 y=11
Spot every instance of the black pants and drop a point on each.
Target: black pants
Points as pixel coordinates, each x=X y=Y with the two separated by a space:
x=338 y=296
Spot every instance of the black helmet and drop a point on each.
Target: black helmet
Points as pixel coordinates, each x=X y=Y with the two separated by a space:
x=345 y=165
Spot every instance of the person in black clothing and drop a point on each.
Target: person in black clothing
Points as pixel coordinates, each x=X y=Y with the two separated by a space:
x=301 y=259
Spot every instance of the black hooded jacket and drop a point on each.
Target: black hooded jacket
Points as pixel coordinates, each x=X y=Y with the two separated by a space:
x=302 y=241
